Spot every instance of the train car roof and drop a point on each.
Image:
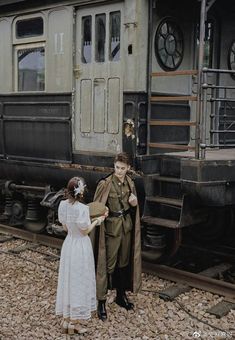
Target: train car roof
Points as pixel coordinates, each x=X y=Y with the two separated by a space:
x=8 y=6
x=45 y=2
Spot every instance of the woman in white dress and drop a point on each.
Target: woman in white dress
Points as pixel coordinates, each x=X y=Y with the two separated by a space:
x=76 y=291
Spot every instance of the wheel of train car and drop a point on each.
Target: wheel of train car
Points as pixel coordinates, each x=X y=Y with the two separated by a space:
x=216 y=228
x=159 y=246
x=35 y=226
x=35 y=219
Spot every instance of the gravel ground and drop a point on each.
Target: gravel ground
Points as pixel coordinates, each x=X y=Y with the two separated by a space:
x=28 y=290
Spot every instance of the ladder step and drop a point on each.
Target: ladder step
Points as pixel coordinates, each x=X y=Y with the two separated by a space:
x=171 y=146
x=159 y=178
x=172 y=98
x=165 y=200
x=175 y=73
x=171 y=123
x=160 y=222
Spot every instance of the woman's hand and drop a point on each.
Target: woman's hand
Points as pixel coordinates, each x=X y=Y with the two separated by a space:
x=132 y=200
x=100 y=220
x=94 y=223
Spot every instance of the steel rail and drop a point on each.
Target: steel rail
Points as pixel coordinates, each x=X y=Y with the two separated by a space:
x=45 y=240
x=193 y=280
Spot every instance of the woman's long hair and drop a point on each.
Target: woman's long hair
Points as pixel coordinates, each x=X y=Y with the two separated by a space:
x=75 y=189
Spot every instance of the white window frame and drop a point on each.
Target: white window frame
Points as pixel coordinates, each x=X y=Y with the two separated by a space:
x=28 y=39
x=22 y=47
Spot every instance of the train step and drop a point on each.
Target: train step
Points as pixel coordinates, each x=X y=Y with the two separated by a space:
x=165 y=200
x=172 y=224
x=158 y=177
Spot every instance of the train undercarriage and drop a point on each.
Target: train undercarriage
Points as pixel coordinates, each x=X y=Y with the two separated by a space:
x=151 y=78
x=181 y=201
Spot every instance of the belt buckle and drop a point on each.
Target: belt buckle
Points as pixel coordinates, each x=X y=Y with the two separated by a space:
x=121 y=212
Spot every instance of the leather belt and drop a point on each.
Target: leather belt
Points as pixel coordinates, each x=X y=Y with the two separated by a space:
x=119 y=213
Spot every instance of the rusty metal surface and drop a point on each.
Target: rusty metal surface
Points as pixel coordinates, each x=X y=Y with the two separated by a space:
x=193 y=280
x=36 y=238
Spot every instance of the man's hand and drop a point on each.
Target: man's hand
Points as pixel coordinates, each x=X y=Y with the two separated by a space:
x=106 y=214
x=133 y=200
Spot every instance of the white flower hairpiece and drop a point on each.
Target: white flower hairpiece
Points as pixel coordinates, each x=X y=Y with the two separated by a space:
x=130 y=122
x=80 y=188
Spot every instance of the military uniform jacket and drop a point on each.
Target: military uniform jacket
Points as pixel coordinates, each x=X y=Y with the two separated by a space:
x=98 y=240
x=118 y=200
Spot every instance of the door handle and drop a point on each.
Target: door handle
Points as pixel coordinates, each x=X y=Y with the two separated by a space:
x=77 y=71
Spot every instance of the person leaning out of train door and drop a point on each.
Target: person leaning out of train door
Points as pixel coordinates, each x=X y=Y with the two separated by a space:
x=117 y=242
x=76 y=291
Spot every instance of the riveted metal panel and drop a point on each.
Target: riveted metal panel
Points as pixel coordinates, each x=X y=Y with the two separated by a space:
x=36 y=127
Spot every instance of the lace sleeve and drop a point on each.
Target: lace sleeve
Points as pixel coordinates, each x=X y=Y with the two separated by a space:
x=62 y=212
x=83 y=220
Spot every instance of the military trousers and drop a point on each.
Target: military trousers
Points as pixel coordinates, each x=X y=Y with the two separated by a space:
x=117 y=254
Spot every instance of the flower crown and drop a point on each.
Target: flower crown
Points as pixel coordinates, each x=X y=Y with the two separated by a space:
x=80 y=188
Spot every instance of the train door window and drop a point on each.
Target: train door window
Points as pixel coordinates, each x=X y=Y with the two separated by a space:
x=30 y=68
x=100 y=37
x=86 y=39
x=231 y=58
x=29 y=28
x=114 y=39
x=208 y=45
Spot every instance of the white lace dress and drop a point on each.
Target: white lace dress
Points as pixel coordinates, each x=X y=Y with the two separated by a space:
x=76 y=291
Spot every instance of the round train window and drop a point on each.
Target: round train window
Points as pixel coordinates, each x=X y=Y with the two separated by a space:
x=169 y=47
x=231 y=58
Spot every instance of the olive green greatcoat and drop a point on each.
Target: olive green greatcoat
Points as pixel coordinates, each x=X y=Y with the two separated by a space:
x=98 y=240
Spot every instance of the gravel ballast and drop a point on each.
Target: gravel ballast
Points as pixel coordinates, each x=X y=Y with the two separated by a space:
x=28 y=285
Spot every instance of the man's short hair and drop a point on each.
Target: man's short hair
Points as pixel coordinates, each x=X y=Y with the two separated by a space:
x=122 y=157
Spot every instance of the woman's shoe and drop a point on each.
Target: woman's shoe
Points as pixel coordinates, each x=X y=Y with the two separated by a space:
x=64 y=326
x=75 y=328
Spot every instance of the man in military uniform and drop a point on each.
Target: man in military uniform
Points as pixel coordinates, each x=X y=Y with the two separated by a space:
x=118 y=249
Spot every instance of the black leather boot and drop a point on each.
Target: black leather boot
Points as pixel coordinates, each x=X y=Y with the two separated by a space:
x=101 y=310
x=121 y=298
x=123 y=301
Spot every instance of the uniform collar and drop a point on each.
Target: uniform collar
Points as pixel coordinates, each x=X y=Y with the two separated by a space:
x=117 y=181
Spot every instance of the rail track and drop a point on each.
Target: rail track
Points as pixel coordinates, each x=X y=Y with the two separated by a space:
x=42 y=239
x=185 y=280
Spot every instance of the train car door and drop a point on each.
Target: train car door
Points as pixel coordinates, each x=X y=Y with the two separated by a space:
x=99 y=79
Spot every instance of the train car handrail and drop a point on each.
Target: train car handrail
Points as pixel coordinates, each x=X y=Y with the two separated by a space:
x=218 y=99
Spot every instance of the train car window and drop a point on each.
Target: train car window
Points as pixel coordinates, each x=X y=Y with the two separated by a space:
x=114 y=40
x=169 y=45
x=31 y=69
x=231 y=58
x=208 y=55
x=86 y=39
x=29 y=28
x=100 y=37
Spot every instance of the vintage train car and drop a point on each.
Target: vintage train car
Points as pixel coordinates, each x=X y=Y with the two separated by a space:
x=82 y=80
